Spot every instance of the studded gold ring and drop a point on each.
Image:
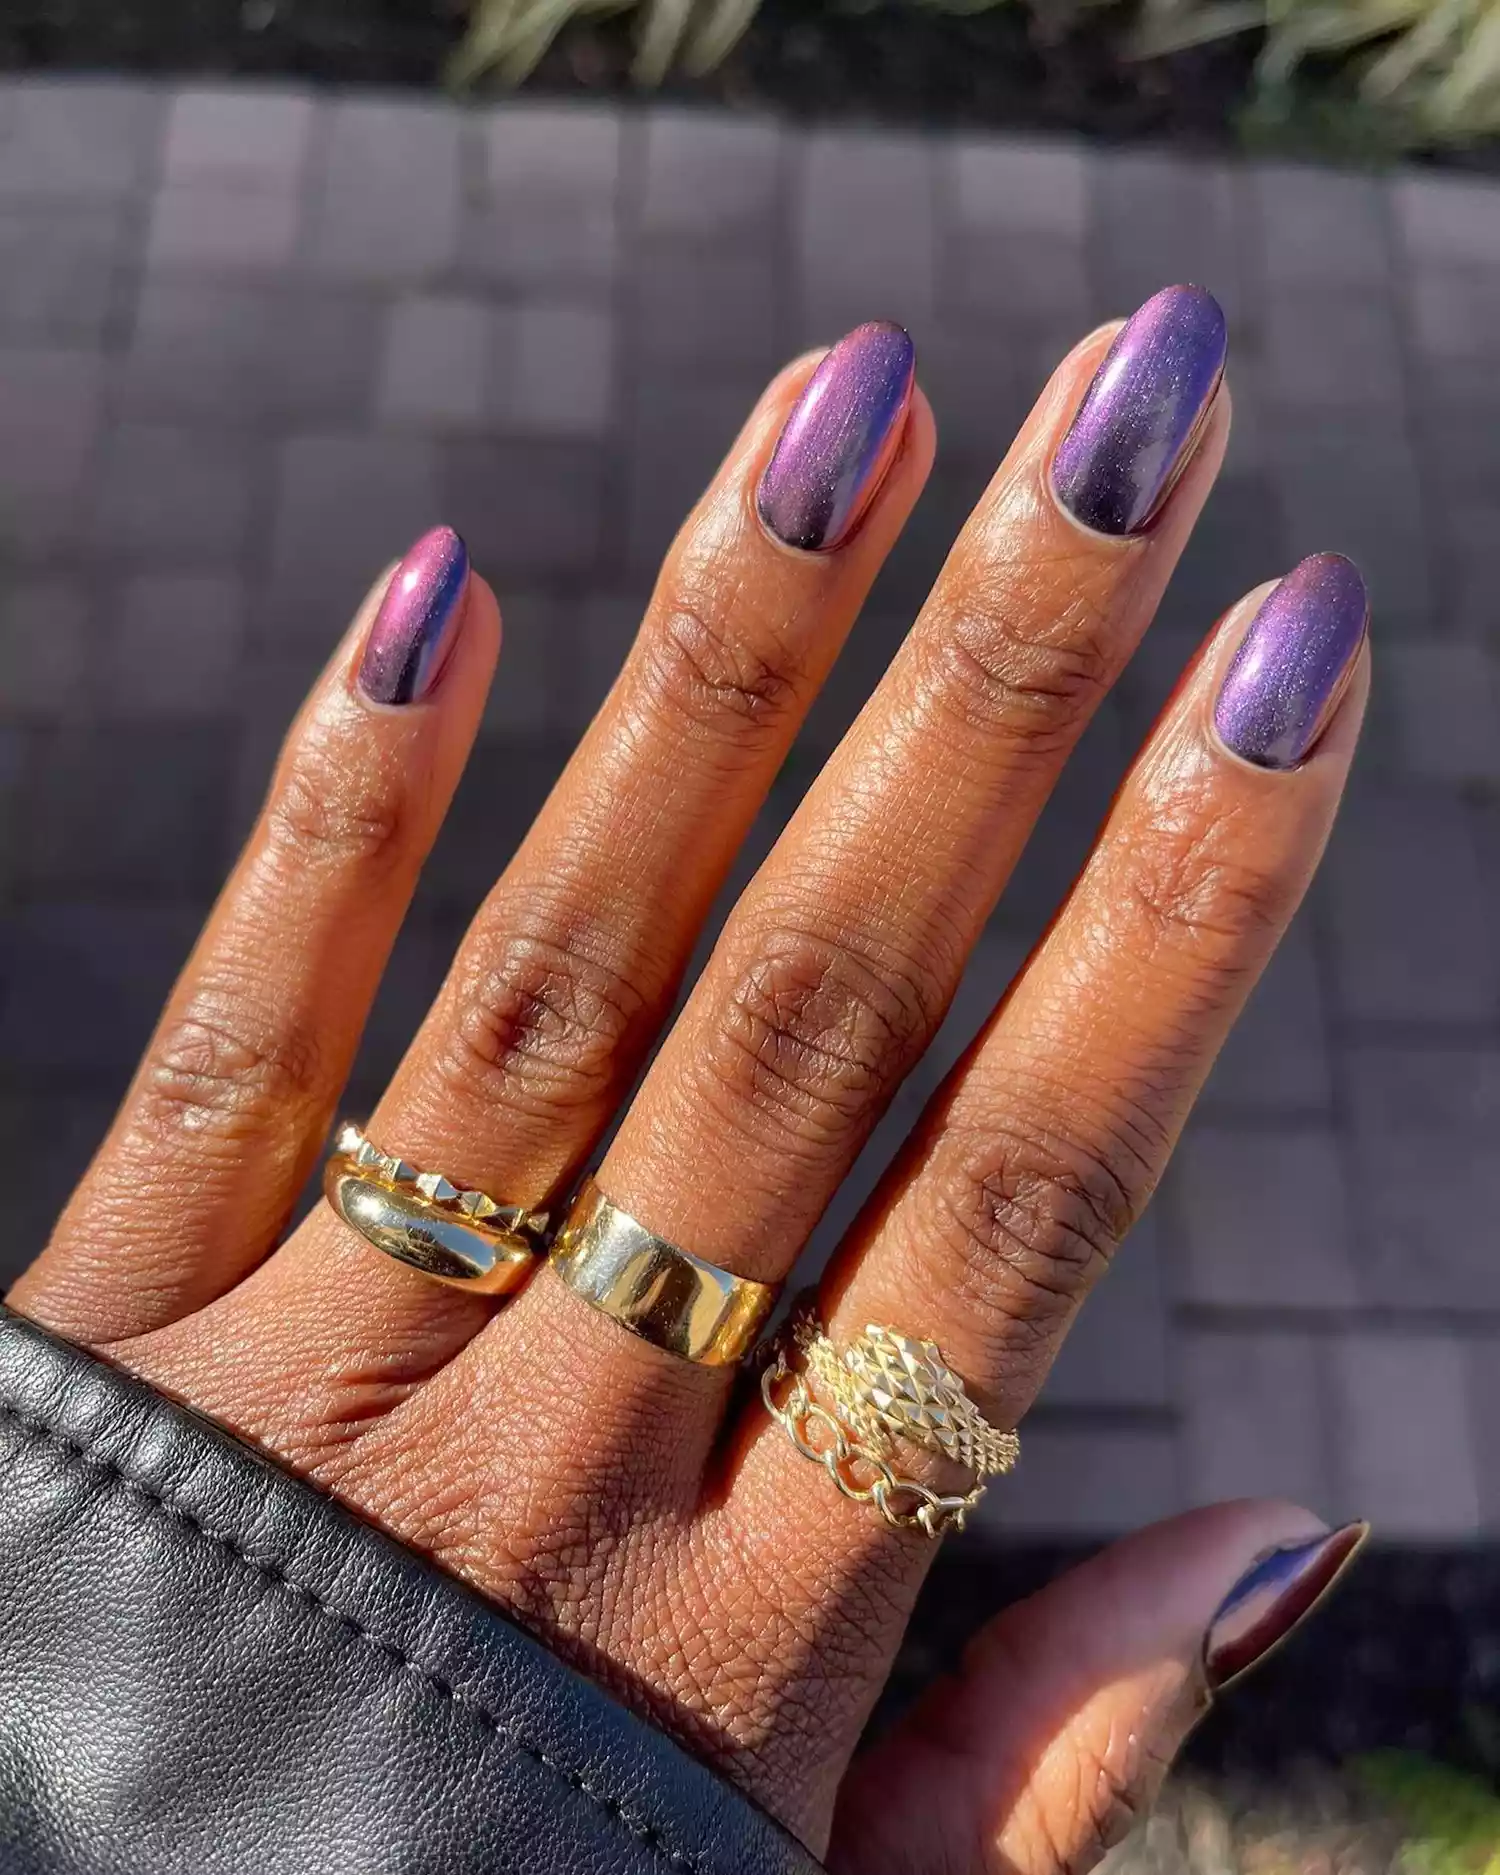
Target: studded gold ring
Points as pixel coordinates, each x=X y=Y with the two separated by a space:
x=450 y=1233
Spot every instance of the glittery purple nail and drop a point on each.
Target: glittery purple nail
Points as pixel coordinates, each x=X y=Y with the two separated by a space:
x=1291 y=664
x=840 y=439
x=1272 y=1597
x=417 y=624
x=1140 y=417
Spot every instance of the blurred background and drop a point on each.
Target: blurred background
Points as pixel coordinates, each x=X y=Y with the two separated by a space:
x=283 y=284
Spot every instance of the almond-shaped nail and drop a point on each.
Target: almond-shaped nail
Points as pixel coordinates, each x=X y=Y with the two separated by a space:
x=1293 y=661
x=1274 y=1595
x=1141 y=416
x=840 y=439
x=417 y=625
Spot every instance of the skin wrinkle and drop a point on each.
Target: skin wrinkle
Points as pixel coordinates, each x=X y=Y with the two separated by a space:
x=756 y=1618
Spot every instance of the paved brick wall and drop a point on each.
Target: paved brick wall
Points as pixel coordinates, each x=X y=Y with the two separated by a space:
x=251 y=343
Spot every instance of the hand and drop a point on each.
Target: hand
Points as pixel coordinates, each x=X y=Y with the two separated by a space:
x=655 y=1528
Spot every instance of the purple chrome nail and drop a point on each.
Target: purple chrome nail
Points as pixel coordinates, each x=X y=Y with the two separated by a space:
x=1291 y=664
x=1140 y=417
x=417 y=624
x=840 y=439
x=1276 y=1593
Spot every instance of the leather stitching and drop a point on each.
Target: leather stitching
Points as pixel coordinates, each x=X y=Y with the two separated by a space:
x=648 y=1835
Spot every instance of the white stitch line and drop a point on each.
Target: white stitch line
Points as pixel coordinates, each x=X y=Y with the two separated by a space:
x=648 y=1835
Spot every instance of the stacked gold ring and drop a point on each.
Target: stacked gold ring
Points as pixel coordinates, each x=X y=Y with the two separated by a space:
x=450 y=1233
x=846 y=1408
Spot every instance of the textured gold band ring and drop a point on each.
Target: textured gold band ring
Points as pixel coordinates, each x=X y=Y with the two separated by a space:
x=665 y=1295
x=890 y=1386
x=881 y=1388
x=452 y=1234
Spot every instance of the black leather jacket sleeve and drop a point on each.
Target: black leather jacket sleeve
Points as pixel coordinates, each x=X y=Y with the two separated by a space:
x=206 y=1667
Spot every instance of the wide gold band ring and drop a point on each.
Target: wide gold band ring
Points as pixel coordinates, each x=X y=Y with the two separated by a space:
x=444 y=1231
x=664 y=1294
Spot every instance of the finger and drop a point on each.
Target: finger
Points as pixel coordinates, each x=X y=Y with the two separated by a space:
x=1048 y=1139
x=837 y=964
x=1070 y=1707
x=1044 y=1143
x=570 y=966
x=898 y=854
x=232 y=1101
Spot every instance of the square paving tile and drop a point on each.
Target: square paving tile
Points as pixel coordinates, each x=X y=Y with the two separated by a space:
x=1426 y=1172
x=74 y=139
x=1256 y=1407
x=174 y=496
x=51 y=416
x=62 y=264
x=1264 y=1217
x=48 y=642
x=385 y=203
x=1412 y=1473
x=240 y=136
x=710 y=176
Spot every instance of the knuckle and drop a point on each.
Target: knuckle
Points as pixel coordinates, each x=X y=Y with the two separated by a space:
x=1111 y=1791
x=1035 y=1216
x=325 y=818
x=1067 y=1825
x=814 y=1036
x=541 y=1028
x=1004 y=664
x=224 y=1065
x=699 y=667
x=1197 y=886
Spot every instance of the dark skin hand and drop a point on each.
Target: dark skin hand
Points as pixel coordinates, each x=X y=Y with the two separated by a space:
x=614 y=1498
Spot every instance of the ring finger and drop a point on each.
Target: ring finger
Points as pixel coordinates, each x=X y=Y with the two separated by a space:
x=1032 y=1161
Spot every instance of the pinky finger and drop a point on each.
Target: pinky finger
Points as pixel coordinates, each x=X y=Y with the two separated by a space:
x=1070 y=1707
x=229 y=1108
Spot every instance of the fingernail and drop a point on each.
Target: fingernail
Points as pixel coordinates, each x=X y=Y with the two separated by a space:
x=840 y=439
x=417 y=624
x=1141 y=416
x=1272 y=1597
x=1290 y=668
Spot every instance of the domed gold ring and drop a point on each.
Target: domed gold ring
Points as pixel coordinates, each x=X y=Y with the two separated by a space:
x=444 y=1231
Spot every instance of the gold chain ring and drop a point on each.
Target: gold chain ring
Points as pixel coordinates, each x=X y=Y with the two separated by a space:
x=903 y=1503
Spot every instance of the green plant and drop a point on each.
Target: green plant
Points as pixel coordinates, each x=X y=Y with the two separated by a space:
x=1433 y=63
x=509 y=37
x=1452 y=1820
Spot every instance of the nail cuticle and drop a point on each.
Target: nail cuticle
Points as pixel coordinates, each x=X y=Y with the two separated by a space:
x=840 y=440
x=1272 y=1598
x=416 y=626
x=1143 y=415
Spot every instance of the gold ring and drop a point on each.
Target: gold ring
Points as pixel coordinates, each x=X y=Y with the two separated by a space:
x=888 y=1386
x=884 y=1386
x=665 y=1295
x=452 y=1234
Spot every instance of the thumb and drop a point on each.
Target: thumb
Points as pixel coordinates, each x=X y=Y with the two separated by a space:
x=1069 y=1707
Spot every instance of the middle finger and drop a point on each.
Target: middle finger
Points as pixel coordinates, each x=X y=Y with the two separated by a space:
x=837 y=965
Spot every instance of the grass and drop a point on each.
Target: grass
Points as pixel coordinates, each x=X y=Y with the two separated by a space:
x=1391 y=1813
